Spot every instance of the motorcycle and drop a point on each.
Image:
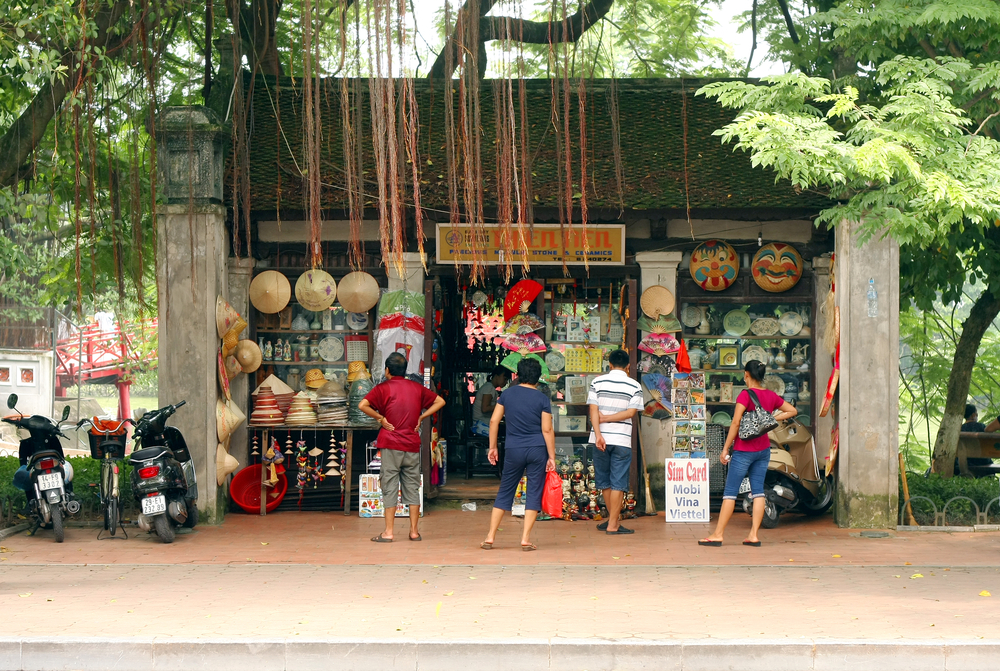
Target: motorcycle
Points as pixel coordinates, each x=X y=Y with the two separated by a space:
x=163 y=475
x=794 y=480
x=49 y=477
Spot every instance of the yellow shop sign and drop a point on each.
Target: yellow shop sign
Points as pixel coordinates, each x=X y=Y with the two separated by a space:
x=547 y=244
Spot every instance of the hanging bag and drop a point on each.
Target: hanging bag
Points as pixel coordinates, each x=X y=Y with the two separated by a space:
x=756 y=422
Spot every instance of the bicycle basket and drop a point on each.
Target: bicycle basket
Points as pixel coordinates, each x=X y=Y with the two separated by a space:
x=113 y=443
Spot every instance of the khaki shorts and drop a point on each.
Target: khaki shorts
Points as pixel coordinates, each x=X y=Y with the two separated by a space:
x=400 y=473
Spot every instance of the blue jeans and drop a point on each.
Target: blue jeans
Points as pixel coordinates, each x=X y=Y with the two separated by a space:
x=751 y=465
x=611 y=467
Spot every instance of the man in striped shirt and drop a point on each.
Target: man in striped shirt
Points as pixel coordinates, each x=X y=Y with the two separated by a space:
x=614 y=400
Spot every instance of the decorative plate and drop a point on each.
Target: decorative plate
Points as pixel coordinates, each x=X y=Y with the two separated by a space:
x=736 y=323
x=715 y=265
x=357 y=321
x=728 y=358
x=790 y=323
x=722 y=418
x=331 y=349
x=754 y=353
x=555 y=361
x=765 y=326
x=690 y=316
x=776 y=267
x=775 y=384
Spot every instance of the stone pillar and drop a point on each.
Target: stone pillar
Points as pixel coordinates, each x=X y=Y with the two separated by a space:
x=658 y=268
x=412 y=278
x=868 y=407
x=191 y=274
x=823 y=361
x=238 y=295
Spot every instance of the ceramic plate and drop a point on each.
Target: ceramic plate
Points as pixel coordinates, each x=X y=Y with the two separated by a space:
x=555 y=361
x=765 y=326
x=791 y=323
x=690 y=316
x=331 y=349
x=357 y=321
x=728 y=359
x=754 y=352
x=736 y=323
x=775 y=384
x=722 y=418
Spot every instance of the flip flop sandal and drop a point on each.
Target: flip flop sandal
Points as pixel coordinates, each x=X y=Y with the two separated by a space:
x=529 y=548
x=711 y=544
x=418 y=538
x=486 y=546
x=380 y=539
x=603 y=526
x=753 y=544
x=621 y=531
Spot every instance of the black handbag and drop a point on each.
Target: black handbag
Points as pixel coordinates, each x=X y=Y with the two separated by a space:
x=756 y=422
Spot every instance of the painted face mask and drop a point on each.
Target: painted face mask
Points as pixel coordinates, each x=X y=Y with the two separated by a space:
x=714 y=265
x=776 y=267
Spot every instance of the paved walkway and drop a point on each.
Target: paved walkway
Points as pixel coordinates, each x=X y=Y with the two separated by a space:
x=303 y=591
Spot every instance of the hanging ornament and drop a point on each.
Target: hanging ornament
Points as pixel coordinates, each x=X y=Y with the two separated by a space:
x=288 y=445
x=256 y=450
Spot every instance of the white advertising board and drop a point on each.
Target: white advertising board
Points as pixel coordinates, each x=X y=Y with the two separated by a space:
x=686 y=490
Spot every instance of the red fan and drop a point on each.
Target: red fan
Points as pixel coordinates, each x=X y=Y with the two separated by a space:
x=659 y=344
x=529 y=342
x=519 y=298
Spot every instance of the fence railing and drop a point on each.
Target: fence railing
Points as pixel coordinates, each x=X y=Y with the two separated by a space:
x=958 y=511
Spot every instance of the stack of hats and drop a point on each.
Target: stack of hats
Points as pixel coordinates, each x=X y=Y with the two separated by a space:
x=301 y=412
x=361 y=384
x=265 y=409
x=283 y=394
x=332 y=403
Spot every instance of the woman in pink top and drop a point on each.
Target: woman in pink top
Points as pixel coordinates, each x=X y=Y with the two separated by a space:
x=750 y=457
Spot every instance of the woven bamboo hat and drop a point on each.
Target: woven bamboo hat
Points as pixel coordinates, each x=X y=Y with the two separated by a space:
x=247 y=352
x=315 y=378
x=226 y=316
x=227 y=418
x=357 y=370
x=270 y=291
x=358 y=292
x=225 y=464
x=315 y=290
x=233 y=367
x=657 y=300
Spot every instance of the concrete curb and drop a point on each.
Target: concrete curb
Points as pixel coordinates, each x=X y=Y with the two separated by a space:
x=557 y=654
x=14 y=530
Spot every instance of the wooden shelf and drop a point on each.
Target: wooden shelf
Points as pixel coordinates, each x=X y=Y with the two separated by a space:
x=694 y=336
x=770 y=371
x=317 y=332
x=314 y=364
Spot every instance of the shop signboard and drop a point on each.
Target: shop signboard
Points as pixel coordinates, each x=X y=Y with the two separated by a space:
x=544 y=244
x=686 y=490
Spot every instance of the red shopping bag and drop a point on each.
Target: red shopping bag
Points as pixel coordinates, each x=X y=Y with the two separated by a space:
x=552 y=495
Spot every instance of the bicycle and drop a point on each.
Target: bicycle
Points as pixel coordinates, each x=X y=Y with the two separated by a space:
x=107 y=444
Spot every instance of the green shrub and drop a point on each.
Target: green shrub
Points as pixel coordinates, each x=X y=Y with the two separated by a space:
x=86 y=482
x=940 y=491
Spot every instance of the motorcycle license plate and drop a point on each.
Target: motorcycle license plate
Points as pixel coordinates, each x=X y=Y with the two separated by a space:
x=50 y=481
x=745 y=486
x=151 y=505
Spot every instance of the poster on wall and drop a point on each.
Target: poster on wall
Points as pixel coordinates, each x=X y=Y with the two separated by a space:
x=686 y=491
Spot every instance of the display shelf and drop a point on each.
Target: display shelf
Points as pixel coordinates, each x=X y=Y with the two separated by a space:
x=694 y=336
x=313 y=331
x=319 y=363
x=739 y=369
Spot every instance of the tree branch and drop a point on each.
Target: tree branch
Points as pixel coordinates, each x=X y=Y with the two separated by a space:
x=788 y=21
x=439 y=66
x=25 y=133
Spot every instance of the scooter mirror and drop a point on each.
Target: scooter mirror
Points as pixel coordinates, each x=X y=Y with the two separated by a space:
x=65 y=413
x=12 y=401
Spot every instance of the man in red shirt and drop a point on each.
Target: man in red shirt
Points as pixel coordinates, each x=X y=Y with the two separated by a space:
x=399 y=405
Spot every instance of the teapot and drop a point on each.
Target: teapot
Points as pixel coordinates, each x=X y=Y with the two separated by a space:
x=799 y=355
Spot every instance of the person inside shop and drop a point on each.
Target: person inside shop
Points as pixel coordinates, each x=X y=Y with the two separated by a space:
x=531 y=448
x=614 y=399
x=750 y=456
x=399 y=405
x=973 y=425
x=486 y=401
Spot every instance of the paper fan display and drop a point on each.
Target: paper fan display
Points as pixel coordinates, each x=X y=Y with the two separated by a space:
x=511 y=360
x=520 y=297
x=659 y=344
x=663 y=324
x=524 y=343
x=523 y=324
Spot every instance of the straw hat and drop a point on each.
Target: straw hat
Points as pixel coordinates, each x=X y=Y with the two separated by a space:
x=657 y=300
x=227 y=418
x=225 y=316
x=225 y=463
x=248 y=354
x=359 y=292
x=223 y=378
x=233 y=367
x=315 y=290
x=357 y=370
x=229 y=341
x=270 y=291
x=274 y=383
x=314 y=378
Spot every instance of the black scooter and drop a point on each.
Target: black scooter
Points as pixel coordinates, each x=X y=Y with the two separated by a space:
x=163 y=476
x=50 y=495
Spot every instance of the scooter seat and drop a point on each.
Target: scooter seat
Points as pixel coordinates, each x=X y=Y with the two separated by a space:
x=147 y=453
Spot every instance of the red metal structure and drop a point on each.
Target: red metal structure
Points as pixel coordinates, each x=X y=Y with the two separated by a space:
x=99 y=355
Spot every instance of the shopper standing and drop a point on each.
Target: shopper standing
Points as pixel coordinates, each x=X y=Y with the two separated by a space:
x=486 y=401
x=531 y=448
x=614 y=399
x=749 y=457
x=399 y=405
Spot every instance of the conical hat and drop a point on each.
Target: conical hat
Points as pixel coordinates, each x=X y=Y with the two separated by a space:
x=225 y=316
x=276 y=385
x=657 y=300
x=358 y=292
x=248 y=354
x=315 y=290
x=227 y=418
x=233 y=367
x=270 y=291
x=225 y=464
x=223 y=377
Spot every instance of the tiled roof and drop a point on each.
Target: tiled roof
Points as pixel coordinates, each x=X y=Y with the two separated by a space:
x=652 y=142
